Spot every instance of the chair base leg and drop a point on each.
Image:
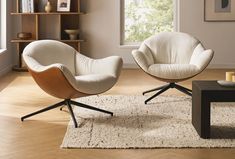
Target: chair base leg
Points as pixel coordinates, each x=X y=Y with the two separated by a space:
x=91 y=108
x=43 y=110
x=164 y=88
x=72 y=113
x=155 y=89
x=68 y=103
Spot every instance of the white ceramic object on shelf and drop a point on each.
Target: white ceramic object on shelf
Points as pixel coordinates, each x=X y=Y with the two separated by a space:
x=226 y=83
x=48 y=7
x=73 y=33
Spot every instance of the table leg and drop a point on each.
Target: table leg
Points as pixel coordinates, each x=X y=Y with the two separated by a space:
x=201 y=115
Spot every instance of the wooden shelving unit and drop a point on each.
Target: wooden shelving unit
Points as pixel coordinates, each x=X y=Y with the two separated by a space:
x=44 y=25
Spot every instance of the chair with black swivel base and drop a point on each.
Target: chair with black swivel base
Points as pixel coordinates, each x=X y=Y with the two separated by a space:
x=66 y=74
x=172 y=57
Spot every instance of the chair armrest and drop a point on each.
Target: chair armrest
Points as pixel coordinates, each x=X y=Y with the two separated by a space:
x=141 y=59
x=110 y=65
x=202 y=58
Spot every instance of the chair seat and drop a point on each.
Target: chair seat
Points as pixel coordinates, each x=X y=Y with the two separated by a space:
x=94 y=83
x=173 y=71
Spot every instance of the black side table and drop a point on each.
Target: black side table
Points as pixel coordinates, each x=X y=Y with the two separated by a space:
x=205 y=92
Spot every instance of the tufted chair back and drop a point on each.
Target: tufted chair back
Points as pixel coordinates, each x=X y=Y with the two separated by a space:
x=170 y=48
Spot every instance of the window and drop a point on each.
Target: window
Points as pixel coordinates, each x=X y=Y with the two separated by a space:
x=2 y=25
x=143 y=18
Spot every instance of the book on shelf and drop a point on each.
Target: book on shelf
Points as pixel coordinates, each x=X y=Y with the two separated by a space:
x=27 y=6
x=23 y=6
x=31 y=6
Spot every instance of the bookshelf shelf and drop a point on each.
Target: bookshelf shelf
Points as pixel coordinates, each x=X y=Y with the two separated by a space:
x=30 y=40
x=72 y=41
x=43 y=25
x=21 y=41
x=52 y=13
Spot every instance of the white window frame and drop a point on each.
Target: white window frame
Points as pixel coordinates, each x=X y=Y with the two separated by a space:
x=122 y=24
x=0 y=24
x=3 y=34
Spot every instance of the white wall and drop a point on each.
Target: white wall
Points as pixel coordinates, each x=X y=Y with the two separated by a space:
x=219 y=36
x=101 y=29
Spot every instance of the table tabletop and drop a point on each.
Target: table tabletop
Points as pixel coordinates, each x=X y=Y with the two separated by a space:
x=211 y=86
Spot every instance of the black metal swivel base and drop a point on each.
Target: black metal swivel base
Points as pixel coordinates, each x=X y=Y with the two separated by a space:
x=165 y=88
x=68 y=103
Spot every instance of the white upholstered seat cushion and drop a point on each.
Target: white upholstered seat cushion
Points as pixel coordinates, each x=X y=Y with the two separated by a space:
x=173 y=71
x=94 y=83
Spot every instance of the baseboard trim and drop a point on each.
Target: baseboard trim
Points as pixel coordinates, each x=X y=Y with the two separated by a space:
x=5 y=70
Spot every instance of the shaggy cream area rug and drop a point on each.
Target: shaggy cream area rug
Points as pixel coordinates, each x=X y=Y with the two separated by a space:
x=164 y=123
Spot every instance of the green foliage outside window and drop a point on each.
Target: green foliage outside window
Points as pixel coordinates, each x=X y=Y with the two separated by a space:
x=144 y=18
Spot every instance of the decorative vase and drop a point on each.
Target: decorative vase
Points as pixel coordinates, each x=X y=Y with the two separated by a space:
x=73 y=33
x=48 y=7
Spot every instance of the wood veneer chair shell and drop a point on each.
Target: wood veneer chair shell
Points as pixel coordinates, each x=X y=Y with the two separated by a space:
x=53 y=82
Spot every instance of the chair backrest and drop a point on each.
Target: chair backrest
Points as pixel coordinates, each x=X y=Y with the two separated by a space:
x=47 y=52
x=171 y=47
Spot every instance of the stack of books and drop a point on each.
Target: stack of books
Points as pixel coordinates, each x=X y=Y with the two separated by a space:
x=27 y=6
